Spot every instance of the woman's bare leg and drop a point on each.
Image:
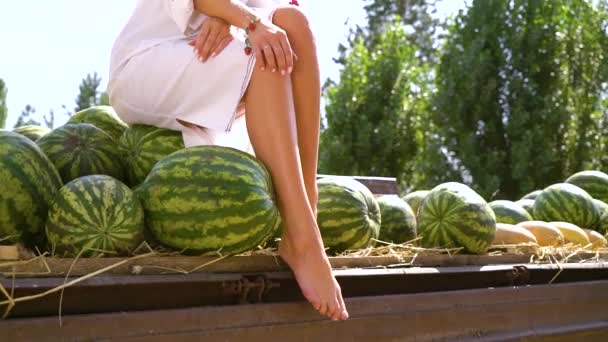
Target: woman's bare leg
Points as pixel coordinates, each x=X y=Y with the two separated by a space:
x=272 y=129
x=306 y=85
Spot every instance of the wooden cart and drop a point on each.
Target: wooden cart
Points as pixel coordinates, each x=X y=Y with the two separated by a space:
x=417 y=298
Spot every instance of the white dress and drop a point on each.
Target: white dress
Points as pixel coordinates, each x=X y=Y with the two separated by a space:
x=156 y=78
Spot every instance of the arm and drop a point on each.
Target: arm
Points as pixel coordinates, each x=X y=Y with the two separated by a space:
x=234 y=12
x=269 y=42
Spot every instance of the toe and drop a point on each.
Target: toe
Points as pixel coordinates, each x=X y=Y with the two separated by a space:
x=323 y=308
x=335 y=310
x=343 y=313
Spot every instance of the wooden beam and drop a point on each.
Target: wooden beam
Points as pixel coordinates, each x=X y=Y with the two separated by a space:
x=564 y=312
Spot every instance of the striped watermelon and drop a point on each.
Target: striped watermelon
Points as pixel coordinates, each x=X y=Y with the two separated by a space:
x=98 y=215
x=453 y=216
x=80 y=150
x=528 y=205
x=102 y=117
x=566 y=202
x=28 y=184
x=595 y=183
x=602 y=208
x=532 y=195
x=32 y=132
x=143 y=146
x=348 y=214
x=210 y=199
x=509 y=212
x=398 y=220
x=415 y=199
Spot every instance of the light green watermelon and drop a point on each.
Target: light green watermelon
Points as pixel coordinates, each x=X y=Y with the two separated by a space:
x=79 y=150
x=532 y=195
x=102 y=117
x=98 y=215
x=28 y=185
x=566 y=202
x=595 y=183
x=143 y=146
x=602 y=208
x=398 y=220
x=210 y=199
x=528 y=205
x=348 y=214
x=415 y=199
x=454 y=216
x=509 y=212
x=32 y=132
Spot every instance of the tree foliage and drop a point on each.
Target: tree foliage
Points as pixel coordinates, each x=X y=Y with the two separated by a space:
x=3 y=108
x=417 y=17
x=90 y=95
x=519 y=88
x=375 y=113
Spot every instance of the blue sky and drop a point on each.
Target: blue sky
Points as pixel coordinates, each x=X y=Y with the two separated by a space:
x=47 y=47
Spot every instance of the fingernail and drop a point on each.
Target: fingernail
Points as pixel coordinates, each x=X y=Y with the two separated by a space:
x=274 y=70
x=290 y=70
x=263 y=68
x=213 y=55
x=283 y=72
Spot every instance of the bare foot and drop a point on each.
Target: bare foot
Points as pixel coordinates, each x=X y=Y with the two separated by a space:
x=312 y=270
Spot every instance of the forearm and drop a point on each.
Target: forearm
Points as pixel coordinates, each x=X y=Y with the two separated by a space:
x=234 y=12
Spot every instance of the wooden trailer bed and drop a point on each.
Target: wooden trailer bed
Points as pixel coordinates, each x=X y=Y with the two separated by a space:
x=502 y=297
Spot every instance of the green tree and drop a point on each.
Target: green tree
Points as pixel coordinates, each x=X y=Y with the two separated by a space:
x=3 y=108
x=517 y=88
x=415 y=15
x=26 y=117
x=375 y=113
x=90 y=95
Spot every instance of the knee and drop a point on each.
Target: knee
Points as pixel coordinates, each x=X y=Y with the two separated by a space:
x=293 y=21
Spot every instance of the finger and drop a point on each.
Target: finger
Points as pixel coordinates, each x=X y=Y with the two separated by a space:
x=289 y=55
x=280 y=57
x=201 y=39
x=260 y=60
x=192 y=43
x=221 y=45
x=271 y=62
x=210 y=43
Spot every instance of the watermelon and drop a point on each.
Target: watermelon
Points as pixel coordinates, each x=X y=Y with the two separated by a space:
x=509 y=212
x=348 y=214
x=595 y=183
x=398 y=220
x=566 y=202
x=102 y=117
x=602 y=225
x=532 y=195
x=210 y=199
x=29 y=183
x=143 y=146
x=528 y=205
x=80 y=150
x=97 y=215
x=415 y=199
x=455 y=216
x=32 y=132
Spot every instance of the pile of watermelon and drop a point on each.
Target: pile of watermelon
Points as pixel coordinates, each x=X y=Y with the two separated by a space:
x=97 y=187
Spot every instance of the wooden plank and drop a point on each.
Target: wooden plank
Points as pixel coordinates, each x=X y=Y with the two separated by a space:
x=9 y=253
x=528 y=313
x=51 y=267
x=113 y=293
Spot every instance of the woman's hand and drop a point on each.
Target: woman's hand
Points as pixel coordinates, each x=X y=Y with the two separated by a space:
x=214 y=37
x=272 y=48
